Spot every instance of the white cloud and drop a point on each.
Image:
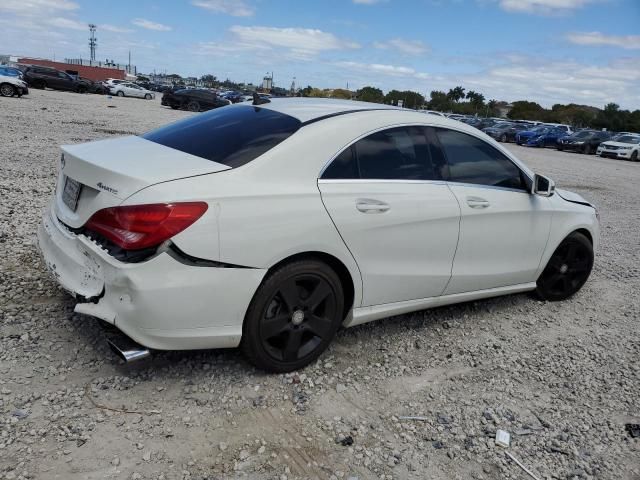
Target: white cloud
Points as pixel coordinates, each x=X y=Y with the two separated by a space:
x=408 y=47
x=295 y=43
x=544 y=7
x=113 y=28
x=629 y=42
x=383 y=69
x=67 y=23
x=149 y=25
x=550 y=82
x=236 y=8
x=31 y=7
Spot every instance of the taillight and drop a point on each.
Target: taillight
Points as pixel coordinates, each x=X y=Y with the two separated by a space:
x=142 y=226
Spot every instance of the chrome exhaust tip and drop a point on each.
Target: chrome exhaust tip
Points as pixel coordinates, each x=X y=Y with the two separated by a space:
x=128 y=350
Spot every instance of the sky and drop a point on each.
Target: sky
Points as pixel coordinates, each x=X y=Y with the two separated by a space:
x=548 y=51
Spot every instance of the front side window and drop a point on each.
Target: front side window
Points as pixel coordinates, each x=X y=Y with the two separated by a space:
x=474 y=161
x=230 y=136
x=400 y=153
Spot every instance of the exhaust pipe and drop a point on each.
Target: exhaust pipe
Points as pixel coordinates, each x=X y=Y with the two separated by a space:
x=127 y=349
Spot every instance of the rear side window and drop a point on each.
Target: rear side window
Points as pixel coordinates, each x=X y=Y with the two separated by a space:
x=231 y=136
x=400 y=153
x=474 y=161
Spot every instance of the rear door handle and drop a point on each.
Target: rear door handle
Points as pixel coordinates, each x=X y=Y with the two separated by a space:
x=477 y=202
x=369 y=205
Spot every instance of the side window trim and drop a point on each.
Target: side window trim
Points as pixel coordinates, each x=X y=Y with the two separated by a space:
x=351 y=144
x=523 y=175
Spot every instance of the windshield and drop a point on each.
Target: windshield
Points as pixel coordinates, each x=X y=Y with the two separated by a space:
x=232 y=136
x=584 y=134
x=628 y=139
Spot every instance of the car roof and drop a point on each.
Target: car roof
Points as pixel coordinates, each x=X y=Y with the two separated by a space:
x=311 y=109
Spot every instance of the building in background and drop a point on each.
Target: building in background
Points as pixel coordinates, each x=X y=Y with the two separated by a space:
x=96 y=71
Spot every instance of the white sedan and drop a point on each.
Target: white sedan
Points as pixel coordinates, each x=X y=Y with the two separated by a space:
x=623 y=146
x=126 y=89
x=269 y=226
x=11 y=84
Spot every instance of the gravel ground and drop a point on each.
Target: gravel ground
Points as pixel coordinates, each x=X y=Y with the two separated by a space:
x=562 y=378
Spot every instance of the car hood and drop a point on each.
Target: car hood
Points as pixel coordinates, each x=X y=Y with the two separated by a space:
x=619 y=144
x=572 y=197
x=13 y=80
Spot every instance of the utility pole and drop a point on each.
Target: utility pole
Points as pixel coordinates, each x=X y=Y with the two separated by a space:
x=93 y=42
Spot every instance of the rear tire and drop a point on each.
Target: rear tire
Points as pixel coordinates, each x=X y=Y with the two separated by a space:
x=293 y=316
x=503 y=138
x=193 y=106
x=634 y=156
x=8 y=90
x=567 y=270
x=147 y=96
x=40 y=84
x=120 y=93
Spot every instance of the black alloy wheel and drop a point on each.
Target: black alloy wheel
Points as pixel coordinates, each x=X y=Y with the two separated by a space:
x=293 y=316
x=8 y=90
x=567 y=270
x=193 y=106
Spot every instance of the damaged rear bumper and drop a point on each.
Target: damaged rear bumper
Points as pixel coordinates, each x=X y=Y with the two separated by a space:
x=160 y=303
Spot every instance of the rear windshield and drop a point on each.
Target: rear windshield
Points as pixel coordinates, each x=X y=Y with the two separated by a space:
x=232 y=136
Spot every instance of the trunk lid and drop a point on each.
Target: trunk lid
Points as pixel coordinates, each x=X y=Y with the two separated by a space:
x=112 y=170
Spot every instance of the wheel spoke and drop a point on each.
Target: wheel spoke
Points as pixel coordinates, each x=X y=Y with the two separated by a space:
x=580 y=266
x=274 y=326
x=319 y=294
x=319 y=326
x=294 y=340
x=290 y=294
x=555 y=263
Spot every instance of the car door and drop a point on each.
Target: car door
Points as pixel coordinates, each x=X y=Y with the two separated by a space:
x=63 y=81
x=503 y=228
x=386 y=196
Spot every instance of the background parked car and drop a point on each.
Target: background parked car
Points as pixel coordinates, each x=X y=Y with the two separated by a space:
x=46 y=77
x=11 y=83
x=585 y=141
x=626 y=147
x=547 y=138
x=524 y=136
x=194 y=99
x=126 y=89
x=505 y=131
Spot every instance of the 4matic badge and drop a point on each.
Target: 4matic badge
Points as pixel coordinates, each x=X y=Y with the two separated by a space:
x=101 y=186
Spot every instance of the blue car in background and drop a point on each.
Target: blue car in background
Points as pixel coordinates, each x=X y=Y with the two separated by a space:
x=523 y=137
x=546 y=138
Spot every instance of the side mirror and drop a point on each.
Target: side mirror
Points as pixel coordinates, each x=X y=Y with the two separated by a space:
x=543 y=186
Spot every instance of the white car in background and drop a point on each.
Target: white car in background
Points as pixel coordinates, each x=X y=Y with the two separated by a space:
x=271 y=225
x=624 y=146
x=127 y=89
x=11 y=84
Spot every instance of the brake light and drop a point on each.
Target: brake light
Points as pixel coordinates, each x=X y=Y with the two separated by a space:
x=142 y=226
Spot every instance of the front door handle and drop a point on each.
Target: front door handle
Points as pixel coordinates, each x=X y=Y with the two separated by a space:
x=477 y=202
x=368 y=205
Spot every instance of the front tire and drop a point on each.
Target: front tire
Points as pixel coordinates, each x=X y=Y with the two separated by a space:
x=567 y=270
x=634 y=156
x=293 y=316
x=193 y=106
x=120 y=93
x=147 y=96
x=8 y=90
x=503 y=138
